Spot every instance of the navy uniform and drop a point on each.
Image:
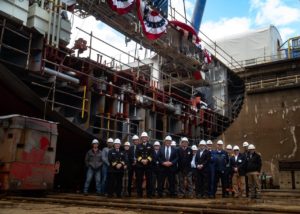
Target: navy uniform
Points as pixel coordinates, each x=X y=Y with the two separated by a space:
x=144 y=152
x=168 y=153
x=116 y=158
x=202 y=160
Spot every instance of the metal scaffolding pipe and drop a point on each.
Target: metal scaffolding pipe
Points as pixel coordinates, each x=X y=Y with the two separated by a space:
x=61 y=75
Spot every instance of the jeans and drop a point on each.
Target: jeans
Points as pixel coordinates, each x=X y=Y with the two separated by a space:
x=104 y=178
x=89 y=175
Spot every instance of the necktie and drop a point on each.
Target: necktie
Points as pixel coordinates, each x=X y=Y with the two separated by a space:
x=167 y=154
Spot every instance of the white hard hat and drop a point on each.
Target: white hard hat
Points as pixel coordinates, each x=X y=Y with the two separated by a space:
x=135 y=137
x=245 y=144
x=220 y=142
x=110 y=140
x=95 y=141
x=144 y=134
x=117 y=141
x=168 y=138
x=194 y=148
x=209 y=142
x=236 y=148
x=251 y=146
x=229 y=147
x=184 y=139
x=156 y=143
x=202 y=142
x=126 y=143
x=173 y=143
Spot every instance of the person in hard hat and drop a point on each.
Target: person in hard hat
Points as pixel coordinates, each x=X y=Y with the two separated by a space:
x=168 y=158
x=253 y=170
x=93 y=162
x=212 y=169
x=126 y=147
x=144 y=156
x=185 y=156
x=104 y=171
x=245 y=152
x=156 y=168
x=174 y=145
x=117 y=163
x=238 y=164
x=193 y=165
x=222 y=159
x=132 y=162
x=202 y=165
x=228 y=170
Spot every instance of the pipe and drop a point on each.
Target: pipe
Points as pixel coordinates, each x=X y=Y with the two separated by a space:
x=198 y=14
x=61 y=75
x=50 y=21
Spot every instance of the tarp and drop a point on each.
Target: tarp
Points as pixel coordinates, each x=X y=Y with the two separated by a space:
x=253 y=47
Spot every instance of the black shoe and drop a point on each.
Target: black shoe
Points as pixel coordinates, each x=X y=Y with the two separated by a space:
x=149 y=196
x=85 y=194
x=109 y=196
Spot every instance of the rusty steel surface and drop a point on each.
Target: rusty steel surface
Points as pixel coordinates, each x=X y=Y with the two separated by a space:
x=27 y=153
x=271 y=121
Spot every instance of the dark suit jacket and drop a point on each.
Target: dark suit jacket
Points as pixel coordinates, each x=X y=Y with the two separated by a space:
x=240 y=163
x=173 y=158
x=203 y=160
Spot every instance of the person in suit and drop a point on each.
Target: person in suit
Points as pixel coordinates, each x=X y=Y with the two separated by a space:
x=132 y=162
x=156 y=168
x=168 y=158
x=212 y=170
x=239 y=165
x=117 y=163
x=253 y=170
x=202 y=164
x=185 y=156
x=222 y=160
x=144 y=156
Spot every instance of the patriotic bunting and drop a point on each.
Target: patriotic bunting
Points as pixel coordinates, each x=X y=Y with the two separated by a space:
x=121 y=6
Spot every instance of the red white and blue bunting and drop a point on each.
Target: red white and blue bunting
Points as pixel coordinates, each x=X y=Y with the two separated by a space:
x=121 y=6
x=153 y=23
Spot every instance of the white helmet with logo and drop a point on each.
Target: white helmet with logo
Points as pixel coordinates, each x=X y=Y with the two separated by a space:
x=236 y=148
x=110 y=140
x=156 y=143
x=220 y=142
x=251 y=146
x=126 y=143
x=144 y=134
x=173 y=143
x=184 y=139
x=229 y=147
x=194 y=148
x=168 y=138
x=95 y=141
x=209 y=142
x=135 y=137
x=245 y=144
x=202 y=142
x=117 y=141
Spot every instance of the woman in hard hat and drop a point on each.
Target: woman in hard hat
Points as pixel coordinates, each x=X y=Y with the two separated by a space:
x=93 y=162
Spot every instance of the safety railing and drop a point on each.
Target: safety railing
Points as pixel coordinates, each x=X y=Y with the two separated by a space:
x=273 y=82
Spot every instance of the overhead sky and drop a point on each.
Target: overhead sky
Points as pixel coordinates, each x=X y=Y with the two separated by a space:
x=221 y=18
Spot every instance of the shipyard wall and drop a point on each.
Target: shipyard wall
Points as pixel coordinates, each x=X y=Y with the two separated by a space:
x=271 y=121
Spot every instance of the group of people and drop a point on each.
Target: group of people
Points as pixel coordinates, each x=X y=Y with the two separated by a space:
x=179 y=171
